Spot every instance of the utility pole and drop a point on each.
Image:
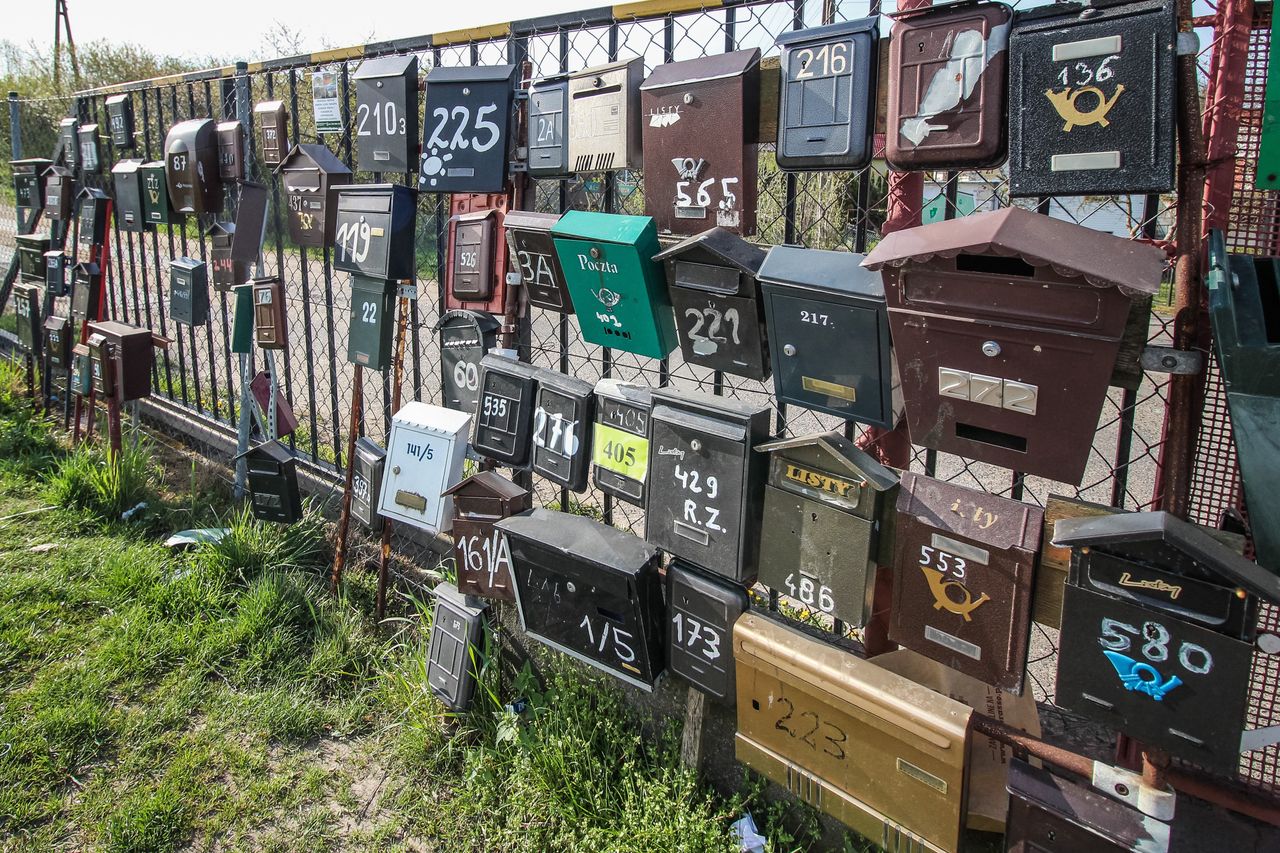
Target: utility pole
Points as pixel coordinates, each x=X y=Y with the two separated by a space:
x=61 y=18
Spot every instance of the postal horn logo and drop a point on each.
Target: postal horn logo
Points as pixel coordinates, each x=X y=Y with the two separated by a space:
x=1141 y=677
x=962 y=605
x=1065 y=103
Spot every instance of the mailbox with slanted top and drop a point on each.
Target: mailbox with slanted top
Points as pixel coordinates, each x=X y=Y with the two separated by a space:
x=546 y=137
x=86 y=291
x=424 y=458
x=273 y=482
x=387 y=114
x=476 y=273
x=504 y=413
x=28 y=189
x=307 y=175
x=701 y=612
x=366 y=482
x=534 y=253
x=466 y=136
x=620 y=440
x=26 y=309
x=481 y=553
x=604 y=116
x=273 y=121
x=91 y=221
x=156 y=207
x=465 y=336
x=454 y=651
x=562 y=429
x=188 y=291
x=126 y=179
x=191 y=166
x=58 y=340
x=55 y=272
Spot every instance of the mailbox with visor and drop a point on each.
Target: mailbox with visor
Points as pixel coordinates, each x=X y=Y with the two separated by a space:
x=620 y=440
x=546 y=136
x=476 y=273
x=59 y=193
x=604 y=116
x=191 y=167
x=273 y=121
x=466 y=135
x=32 y=250
x=273 y=482
x=387 y=114
x=454 y=649
x=701 y=612
x=307 y=175
x=465 y=336
x=481 y=553
x=562 y=429
x=424 y=458
x=534 y=253
x=366 y=482
x=28 y=189
x=120 y=120
x=126 y=179
x=504 y=413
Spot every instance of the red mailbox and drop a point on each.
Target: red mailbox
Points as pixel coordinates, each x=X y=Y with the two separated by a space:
x=476 y=270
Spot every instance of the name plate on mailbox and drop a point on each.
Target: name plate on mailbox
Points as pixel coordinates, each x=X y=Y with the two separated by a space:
x=562 y=429
x=387 y=114
x=366 y=482
x=231 y=139
x=504 y=414
x=700 y=617
x=90 y=157
x=373 y=230
x=91 y=223
x=58 y=342
x=373 y=311
x=604 y=116
x=545 y=138
x=55 y=272
x=465 y=336
x=466 y=135
x=453 y=652
x=481 y=553
x=620 y=440
x=307 y=175
x=424 y=458
x=534 y=252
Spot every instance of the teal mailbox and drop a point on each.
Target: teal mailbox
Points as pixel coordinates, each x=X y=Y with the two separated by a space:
x=373 y=306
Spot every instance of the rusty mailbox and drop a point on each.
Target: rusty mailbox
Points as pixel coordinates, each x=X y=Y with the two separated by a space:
x=504 y=413
x=620 y=440
x=480 y=551
x=604 y=116
x=120 y=120
x=1008 y=326
x=948 y=68
x=465 y=336
x=231 y=142
x=121 y=357
x=90 y=157
x=476 y=273
x=26 y=310
x=562 y=425
x=227 y=272
x=59 y=193
x=126 y=179
x=58 y=340
x=825 y=508
x=424 y=458
x=705 y=482
x=273 y=482
x=700 y=119
x=191 y=167
x=829 y=335
x=589 y=590
x=86 y=291
x=31 y=250
x=701 y=612
x=69 y=142
x=307 y=175
x=545 y=138
x=366 y=482
x=964 y=564
x=466 y=136
x=188 y=291
x=373 y=231
x=270 y=314
x=827 y=95
x=880 y=753
x=273 y=120
x=454 y=649
x=28 y=189
x=1159 y=622
x=155 y=195
x=534 y=253
x=719 y=314
x=387 y=114
x=1092 y=89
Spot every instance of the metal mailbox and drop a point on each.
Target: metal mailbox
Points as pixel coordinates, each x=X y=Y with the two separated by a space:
x=101 y=366
x=1092 y=89
x=705 y=483
x=120 y=120
x=617 y=288
x=948 y=70
x=273 y=120
x=589 y=590
x=69 y=142
x=545 y=137
x=231 y=143
x=701 y=612
x=825 y=508
x=887 y=757
x=55 y=272
x=242 y=325
x=307 y=175
x=227 y=271
x=250 y=227
x=534 y=253
x=1008 y=326
x=86 y=291
x=620 y=440
x=719 y=314
x=504 y=414
x=424 y=458
x=700 y=122
x=28 y=189
x=456 y=629
x=1267 y=170
x=273 y=482
x=91 y=219
x=466 y=137
x=827 y=95
x=270 y=315
x=31 y=250
x=26 y=309
x=964 y=565
x=1158 y=627
x=90 y=156
x=604 y=116
x=481 y=553
x=465 y=336
x=188 y=291
x=121 y=358
x=191 y=167
x=81 y=375
x=562 y=425
x=155 y=195
x=829 y=335
x=373 y=230
x=476 y=273
x=366 y=482
x=373 y=311
x=126 y=179
x=58 y=340
x=59 y=193
x=387 y=114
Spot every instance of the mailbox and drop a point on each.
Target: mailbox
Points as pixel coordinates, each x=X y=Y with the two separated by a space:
x=387 y=114
x=964 y=564
x=827 y=95
x=466 y=136
x=59 y=193
x=191 y=167
x=28 y=189
x=719 y=316
x=307 y=175
x=620 y=440
x=562 y=426
x=250 y=228
x=476 y=273
x=242 y=331
x=504 y=413
x=90 y=157
x=126 y=179
x=948 y=69
x=231 y=139
x=58 y=339
x=880 y=753
x=373 y=311
x=618 y=290
x=825 y=508
x=31 y=250
x=701 y=611
x=705 y=483
x=122 y=359
x=91 y=221
x=273 y=119
x=270 y=315
x=604 y=116
x=81 y=373
x=465 y=336
x=700 y=122
x=534 y=253
x=86 y=291
x=155 y=195
x=589 y=590
x=366 y=482
x=227 y=272
x=829 y=335
x=69 y=142
x=55 y=272
x=480 y=551
x=545 y=134
x=373 y=230
x=120 y=120
x=273 y=482
x=424 y=458
x=1008 y=326
x=101 y=367
x=26 y=309
x=1092 y=89
x=188 y=291
x=1158 y=627
x=456 y=629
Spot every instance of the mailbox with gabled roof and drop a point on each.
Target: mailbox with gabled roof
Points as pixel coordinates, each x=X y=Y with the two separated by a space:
x=308 y=173
x=481 y=552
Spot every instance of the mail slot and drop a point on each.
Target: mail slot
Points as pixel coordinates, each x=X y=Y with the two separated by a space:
x=55 y=273
x=373 y=311
x=604 y=116
x=589 y=590
x=59 y=193
x=620 y=440
x=91 y=221
x=126 y=179
x=618 y=290
x=231 y=139
x=307 y=175
x=424 y=458
x=466 y=134
x=273 y=483
x=829 y=335
x=273 y=120
x=191 y=167
x=366 y=482
x=887 y=756
x=1008 y=326
x=700 y=617
x=825 y=508
x=504 y=415
x=28 y=189
x=31 y=250
x=226 y=271
x=562 y=428
x=719 y=315
x=454 y=652
x=476 y=272
x=90 y=158
x=827 y=95
x=480 y=551
x=86 y=291
x=700 y=120
x=534 y=253
x=81 y=372
x=26 y=309
x=705 y=483
x=1092 y=89
x=948 y=69
x=387 y=114
x=964 y=565
x=270 y=315
x=120 y=120
x=121 y=359
x=155 y=195
x=1158 y=627
x=69 y=142
x=58 y=341
x=373 y=230
x=465 y=336
x=188 y=291
x=545 y=136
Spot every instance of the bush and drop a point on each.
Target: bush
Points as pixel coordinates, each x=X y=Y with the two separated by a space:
x=105 y=485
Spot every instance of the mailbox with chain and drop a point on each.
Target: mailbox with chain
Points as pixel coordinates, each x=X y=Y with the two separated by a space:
x=604 y=117
x=504 y=413
x=273 y=482
x=562 y=429
x=620 y=440
x=191 y=167
x=476 y=273
x=529 y=238
x=454 y=648
x=701 y=612
x=545 y=138
x=307 y=175
x=386 y=117
x=424 y=458
x=465 y=336
x=481 y=553
x=366 y=482
x=466 y=135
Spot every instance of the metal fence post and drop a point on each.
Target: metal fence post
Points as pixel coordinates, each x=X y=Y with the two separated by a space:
x=15 y=127
x=244 y=424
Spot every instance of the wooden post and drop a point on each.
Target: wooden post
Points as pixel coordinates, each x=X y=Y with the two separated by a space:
x=695 y=712
x=397 y=372
x=344 y=520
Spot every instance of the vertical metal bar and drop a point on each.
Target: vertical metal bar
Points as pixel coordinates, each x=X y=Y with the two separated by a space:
x=305 y=264
x=155 y=252
x=562 y=324
x=606 y=354
x=15 y=127
x=244 y=424
x=230 y=110
x=211 y=352
x=177 y=336
x=186 y=251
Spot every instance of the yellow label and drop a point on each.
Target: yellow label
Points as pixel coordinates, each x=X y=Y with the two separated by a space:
x=377 y=231
x=620 y=452
x=831 y=389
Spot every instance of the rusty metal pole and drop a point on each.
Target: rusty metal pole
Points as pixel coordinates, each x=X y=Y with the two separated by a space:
x=344 y=520
x=113 y=429
x=397 y=372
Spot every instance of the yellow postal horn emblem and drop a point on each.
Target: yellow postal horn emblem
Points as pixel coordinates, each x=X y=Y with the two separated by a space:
x=942 y=597
x=1065 y=103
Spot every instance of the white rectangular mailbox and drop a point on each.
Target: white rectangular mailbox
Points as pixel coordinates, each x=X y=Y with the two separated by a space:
x=424 y=457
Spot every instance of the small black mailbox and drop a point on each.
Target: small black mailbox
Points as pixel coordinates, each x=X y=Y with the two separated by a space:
x=387 y=114
x=455 y=639
x=562 y=428
x=69 y=142
x=231 y=140
x=28 y=189
x=273 y=482
x=86 y=291
x=59 y=193
x=31 y=250
x=366 y=482
x=58 y=340
x=504 y=413
x=120 y=120
x=273 y=121
x=467 y=130
x=373 y=230
x=90 y=159
x=465 y=336
x=534 y=252
x=55 y=272
x=91 y=220
x=701 y=611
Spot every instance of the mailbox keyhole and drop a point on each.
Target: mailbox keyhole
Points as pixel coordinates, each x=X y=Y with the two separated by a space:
x=755 y=704
x=920 y=47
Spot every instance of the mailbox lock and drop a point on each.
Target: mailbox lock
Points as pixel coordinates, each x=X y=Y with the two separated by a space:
x=597 y=82
x=570 y=587
x=395 y=470
x=695 y=445
x=990 y=349
x=789 y=349
x=688 y=98
x=466 y=90
x=595 y=252
x=378 y=84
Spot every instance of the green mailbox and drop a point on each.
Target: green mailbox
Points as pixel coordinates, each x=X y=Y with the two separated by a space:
x=156 y=209
x=242 y=323
x=618 y=290
x=1267 y=175
x=373 y=305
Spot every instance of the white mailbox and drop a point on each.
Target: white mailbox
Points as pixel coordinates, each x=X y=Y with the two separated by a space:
x=424 y=457
x=604 y=117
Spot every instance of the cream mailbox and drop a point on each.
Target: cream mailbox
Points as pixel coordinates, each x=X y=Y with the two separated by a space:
x=604 y=117
x=424 y=458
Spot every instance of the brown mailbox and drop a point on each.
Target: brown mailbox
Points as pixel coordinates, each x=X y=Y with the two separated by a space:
x=273 y=120
x=121 y=356
x=269 y=313
x=231 y=151
x=191 y=167
x=476 y=273
x=964 y=563
x=480 y=550
x=700 y=117
x=307 y=175
x=604 y=117
x=225 y=271
x=1007 y=327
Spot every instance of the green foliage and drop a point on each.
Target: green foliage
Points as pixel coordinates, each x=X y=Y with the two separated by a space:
x=104 y=485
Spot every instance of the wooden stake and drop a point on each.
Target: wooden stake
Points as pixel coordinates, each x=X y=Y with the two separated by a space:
x=397 y=373
x=344 y=520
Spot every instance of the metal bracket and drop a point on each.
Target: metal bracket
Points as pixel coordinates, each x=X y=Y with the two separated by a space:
x=1170 y=360
x=522 y=94
x=1259 y=738
x=518 y=166
x=1188 y=44
x=1127 y=787
x=407 y=291
x=514 y=279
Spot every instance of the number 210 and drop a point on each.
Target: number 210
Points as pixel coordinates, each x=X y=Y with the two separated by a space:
x=384 y=120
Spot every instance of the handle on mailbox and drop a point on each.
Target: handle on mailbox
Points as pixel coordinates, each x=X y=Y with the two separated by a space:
x=160 y=341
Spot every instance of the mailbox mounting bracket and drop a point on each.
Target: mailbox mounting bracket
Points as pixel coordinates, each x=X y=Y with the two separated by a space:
x=1170 y=360
x=1127 y=786
x=408 y=291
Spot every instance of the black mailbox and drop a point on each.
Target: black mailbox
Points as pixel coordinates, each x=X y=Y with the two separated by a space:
x=273 y=482
x=120 y=120
x=69 y=142
x=829 y=335
x=59 y=193
x=589 y=590
x=273 y=120
x=366 y=482
x=90 y=159
x=28 y=189
x=534 y=252
x=454 y=650
x=155 y=195
x=546 y=138
x=466 y=134
x=126 y=177
x=231 y=140
x=719 y=315
x=504 y=413
x=562 y=428
x=55 y=272
x=1092 y=89
x=26 y=309
x=31 y=250
x=58 y=340
x=465 y=336
x=387 y=114
x=620 y=440
x=373 y=230
x=373 y=311
x=307 y=175
x=188 y=291
x=86 y=291
x=226 y=271
x=480 y=552
x=191 y=167
x=701 y=611
x=250 y=225
x=604 y=116
x=91 y=220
